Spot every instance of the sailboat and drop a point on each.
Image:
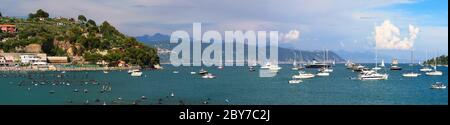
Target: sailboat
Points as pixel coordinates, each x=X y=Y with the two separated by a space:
x=426 y=68
x=295 y=65
x=376 y=61
x=327 y=68
x=435 y=72
x=411 y=74
x=373 y=75
x=382 y=63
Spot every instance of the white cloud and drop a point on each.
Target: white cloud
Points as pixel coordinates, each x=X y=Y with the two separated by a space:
x=291 y=36
x=387 y=36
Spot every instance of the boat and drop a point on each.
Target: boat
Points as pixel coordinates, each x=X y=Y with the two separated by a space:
x=394 y=65
x=315 y=65
x=376 y=61
x=411 y=74
x=193 y=73
x=63 y=72
x=373 y=76
x=435 y=72
x=438 y=85
x=323 y=74
x=202 y=72
x=426 y=69
x=175 y=72
x=172 y=94
x=382 y=64
x=303 y=75
x=136 y=73
x=295 y=65
x=132 y=70
x=208 y=76
x=295 y=81
x=220 y=67
x=105 y=72
x=272 y=68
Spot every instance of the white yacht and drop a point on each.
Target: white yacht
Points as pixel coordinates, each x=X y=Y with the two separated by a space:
x=295 y=81
x=435 y=72
x=411 y=74
x=426 y=69
x=208 y=76
x=136 y=73
x=323 y=74
x=373 y=76
x=303 y=75
x=274 y=68
x=438 y=85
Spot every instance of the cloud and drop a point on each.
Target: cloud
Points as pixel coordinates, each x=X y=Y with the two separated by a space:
x=291 y=36
x=387 y=36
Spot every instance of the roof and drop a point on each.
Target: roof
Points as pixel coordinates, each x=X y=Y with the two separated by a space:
x=5 y=25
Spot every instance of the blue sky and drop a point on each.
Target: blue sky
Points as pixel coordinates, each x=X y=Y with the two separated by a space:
x=340 y=25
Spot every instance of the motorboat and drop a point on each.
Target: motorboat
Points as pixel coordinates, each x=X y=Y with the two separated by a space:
x=438 y=85
x=434 y=73
x=136 y=73
x=373 y=76
x=426 y=69
x=208 y=76
x=203 y=72
x=411 y=74
x=295 y=81
x=323 y=74
x=303 y=75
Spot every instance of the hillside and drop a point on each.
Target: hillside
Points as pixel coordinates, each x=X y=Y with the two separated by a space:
x=285 y=55
x=81 y=39
x=441 y=60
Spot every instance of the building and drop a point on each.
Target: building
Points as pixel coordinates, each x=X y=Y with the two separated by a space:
x=8 y=28
x=7 y=60
x=34 y=59
x=58 y=59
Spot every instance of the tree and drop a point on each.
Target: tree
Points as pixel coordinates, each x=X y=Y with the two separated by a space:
x=91 y=23
x=82 y=18
x=1 y=14
x=39 y=14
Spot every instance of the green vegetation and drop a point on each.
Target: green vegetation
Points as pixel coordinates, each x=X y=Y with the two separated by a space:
x=441 y=60
x=82 y=38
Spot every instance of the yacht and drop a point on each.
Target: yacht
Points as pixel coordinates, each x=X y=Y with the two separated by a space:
x=316 y=64
x=438 y=85
x=303 y=75
x=395 y=65
x=373 y=76
x=435 y=72
x=382 y=63
x=274 y=68
x=323 y=74
x=295 y=81
x=208 y=76
x=411 y=74
x=136 y=73
x=105 y=72
x=203 y=72
x=426 y=69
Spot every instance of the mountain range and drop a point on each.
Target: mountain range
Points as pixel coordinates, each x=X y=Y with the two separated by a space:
x=285 y=55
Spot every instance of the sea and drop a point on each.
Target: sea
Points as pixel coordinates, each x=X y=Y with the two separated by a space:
x=232 y=86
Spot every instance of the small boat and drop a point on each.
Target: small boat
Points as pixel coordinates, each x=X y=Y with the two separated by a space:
x=175 y=72
x=373 y=76
x=143 y=97
x=395 y=65
x=382 y=63
x=208 y=76
x=326 y=70
x=438 y=85
x=295 y=81
x=322 y=74
x=202 y=72
x=105 y=72
x=51 y=92
x=193 y=73
x=411 y=74
x=426 y=69
x=85 y=91
x=104 y=103
x=172 y=94
x=303 y=75
x=75 y=90
x=136 y=73
x=220 y=67
x=435 y=72
x=63 y=72
x=251 y=69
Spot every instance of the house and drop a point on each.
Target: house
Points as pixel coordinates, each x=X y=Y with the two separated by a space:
x=8 y=28
x=7 y=59
x=58 y=59
x=2 y=60
x=34 y=59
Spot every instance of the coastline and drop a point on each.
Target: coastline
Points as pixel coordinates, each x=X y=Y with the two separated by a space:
x=29 y=68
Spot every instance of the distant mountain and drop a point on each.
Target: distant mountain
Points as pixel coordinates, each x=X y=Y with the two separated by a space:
x=285 y=55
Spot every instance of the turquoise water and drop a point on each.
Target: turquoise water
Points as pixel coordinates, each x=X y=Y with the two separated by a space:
x=235 y=84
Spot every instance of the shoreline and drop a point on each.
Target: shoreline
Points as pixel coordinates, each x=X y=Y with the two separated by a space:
x=28 y=68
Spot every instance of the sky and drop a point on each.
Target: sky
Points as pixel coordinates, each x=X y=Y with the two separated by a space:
x=391 y=26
